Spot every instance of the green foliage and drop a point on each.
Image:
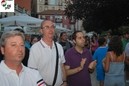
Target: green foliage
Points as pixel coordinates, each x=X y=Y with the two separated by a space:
x=100 y=15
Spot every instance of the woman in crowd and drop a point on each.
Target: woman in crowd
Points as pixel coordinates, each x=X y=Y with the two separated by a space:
x=114 y=63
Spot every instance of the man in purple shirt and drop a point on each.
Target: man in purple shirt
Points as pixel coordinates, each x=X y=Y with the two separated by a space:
x=78 y=59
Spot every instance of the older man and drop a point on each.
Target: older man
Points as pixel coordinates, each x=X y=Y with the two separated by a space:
x=12 y=71
x=47 y=56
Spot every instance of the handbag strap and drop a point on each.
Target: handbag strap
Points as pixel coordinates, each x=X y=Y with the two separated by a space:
x=56 y=67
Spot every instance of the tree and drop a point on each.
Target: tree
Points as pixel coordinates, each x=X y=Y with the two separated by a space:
x=99 y=15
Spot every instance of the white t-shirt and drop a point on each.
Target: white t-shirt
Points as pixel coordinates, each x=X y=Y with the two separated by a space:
x=27 y=77
x=127 y=49
x=43 y=58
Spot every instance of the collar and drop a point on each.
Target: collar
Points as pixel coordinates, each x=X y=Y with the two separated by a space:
x=75 y=51
x=103 y=47
x=7 y=70
x=45 y=45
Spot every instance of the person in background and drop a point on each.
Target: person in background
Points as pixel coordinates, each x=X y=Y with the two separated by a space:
x=87 y=45
x=34 y=39
x=64 y=41
x=43 y=55
x=114 y=63
x=99 y=55
x=127 y=63
x=28 y=41
x=108 y=36
x=78 y=59
x=125 y=39
x=12 y=71
x=94 y=43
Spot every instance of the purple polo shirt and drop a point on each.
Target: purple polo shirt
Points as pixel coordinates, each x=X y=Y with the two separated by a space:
x=73 y=59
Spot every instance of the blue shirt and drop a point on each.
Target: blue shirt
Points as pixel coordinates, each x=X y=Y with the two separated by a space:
x=99 y=55
x=27 y=44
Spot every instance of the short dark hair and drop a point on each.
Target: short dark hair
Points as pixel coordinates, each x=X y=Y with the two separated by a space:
x=61 y=34
x=101 y=41
x=74 y=34
x=115 y=45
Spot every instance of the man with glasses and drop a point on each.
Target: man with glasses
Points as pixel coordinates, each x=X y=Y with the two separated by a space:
x=43 y=56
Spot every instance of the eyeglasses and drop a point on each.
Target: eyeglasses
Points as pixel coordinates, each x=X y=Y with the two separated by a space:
x=48 y=27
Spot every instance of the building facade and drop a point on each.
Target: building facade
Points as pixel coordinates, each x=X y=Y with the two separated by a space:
x=23 y=6
x=45 y=9
x=54 y=10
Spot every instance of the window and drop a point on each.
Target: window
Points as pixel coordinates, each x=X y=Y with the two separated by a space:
x=40 y=8
x=46 y=2
x=46 y=8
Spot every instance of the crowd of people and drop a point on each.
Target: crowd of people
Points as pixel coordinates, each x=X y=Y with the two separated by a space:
x=41 y=61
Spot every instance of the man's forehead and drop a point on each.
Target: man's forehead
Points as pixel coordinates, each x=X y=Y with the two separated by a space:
x=79 y=33
x=13 y=38
x=48 y=23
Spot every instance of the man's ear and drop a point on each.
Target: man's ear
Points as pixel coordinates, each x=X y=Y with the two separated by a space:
x=2 y=50
x=40 y=30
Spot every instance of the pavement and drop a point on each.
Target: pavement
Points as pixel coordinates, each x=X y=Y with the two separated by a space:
x=94 y=81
